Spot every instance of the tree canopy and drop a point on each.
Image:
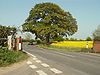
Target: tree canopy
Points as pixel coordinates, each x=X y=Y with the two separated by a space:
x=48 y=20
x=4 y=32
x=96 y=34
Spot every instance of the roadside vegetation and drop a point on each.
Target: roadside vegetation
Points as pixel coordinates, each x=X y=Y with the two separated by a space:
x=5 y=31
x=8 y=57
x=66 y=49
x=70 y=45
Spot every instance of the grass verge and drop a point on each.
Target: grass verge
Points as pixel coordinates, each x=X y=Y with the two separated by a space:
x=65 y=49
x=8 y=57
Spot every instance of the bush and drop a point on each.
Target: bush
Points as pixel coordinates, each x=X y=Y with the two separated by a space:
x=88 y=39
x=23 y=40
x=8 y=57
x=58 y=38
x=73 y=39
x=38 y=41
x=3 y=43
x=32 y=40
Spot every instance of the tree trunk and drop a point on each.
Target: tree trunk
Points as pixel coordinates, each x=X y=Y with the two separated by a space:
x=36 y=36
x=48 y=38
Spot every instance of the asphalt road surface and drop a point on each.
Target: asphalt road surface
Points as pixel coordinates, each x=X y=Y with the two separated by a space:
x=49 y=62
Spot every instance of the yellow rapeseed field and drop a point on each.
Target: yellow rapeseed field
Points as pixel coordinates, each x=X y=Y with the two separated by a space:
x=74 y=44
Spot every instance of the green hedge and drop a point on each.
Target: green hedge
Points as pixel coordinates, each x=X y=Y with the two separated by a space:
x=8 y=57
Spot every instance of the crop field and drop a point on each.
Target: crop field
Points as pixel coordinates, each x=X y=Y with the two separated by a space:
x=74 y=44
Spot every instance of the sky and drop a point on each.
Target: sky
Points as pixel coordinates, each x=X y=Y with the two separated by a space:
x=86 y=12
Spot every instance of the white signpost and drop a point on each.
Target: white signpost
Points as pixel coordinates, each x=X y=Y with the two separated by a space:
x=9 y=42
x=19 y=46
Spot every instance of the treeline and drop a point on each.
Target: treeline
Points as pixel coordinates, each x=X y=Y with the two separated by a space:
x=71 y=39
x=75 y=39
x=57 y=39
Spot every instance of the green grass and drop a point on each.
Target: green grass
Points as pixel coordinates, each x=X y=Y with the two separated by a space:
x=66 y=49
x=8 y=57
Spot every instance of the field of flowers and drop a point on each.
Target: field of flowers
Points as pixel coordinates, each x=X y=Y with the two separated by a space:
x=74 y=44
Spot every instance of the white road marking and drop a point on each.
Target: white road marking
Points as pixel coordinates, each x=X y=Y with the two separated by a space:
x=29 y=54
x=33 y=66
x=40 y=72
x=38 y=61
x=45 y=65
x=33 y=55
x=35 y=59
x=65 y=54
x=29 y=62
x=56 y=71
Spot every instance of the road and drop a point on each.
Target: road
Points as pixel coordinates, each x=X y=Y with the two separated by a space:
x=49 y=62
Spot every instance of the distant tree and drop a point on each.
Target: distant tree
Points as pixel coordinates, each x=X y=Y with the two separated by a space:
x=73 y=39
x=48 y=20
x=67 y=39
x=80 y=40
x=28 y=36
x=88 y=39
x=96 y=34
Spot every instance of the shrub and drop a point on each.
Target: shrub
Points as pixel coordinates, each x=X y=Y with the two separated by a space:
x=58 y=38
x=38 y=41
x=88 y=39
x=8 y=57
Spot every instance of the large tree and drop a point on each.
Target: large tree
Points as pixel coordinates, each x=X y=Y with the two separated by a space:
x=48 y=20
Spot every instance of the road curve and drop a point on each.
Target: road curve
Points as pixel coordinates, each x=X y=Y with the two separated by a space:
x=70 y=63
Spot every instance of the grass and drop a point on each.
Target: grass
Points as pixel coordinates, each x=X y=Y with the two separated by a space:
x=65 y=49
x=8 y=57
